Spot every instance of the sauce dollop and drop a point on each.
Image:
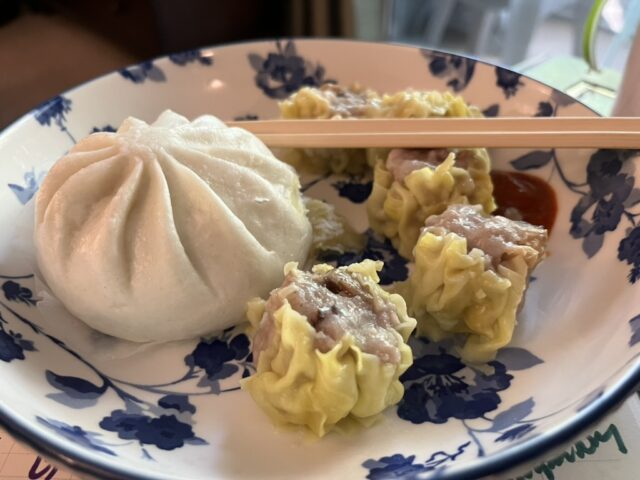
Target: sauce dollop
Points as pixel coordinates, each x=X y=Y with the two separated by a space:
x=531 y=196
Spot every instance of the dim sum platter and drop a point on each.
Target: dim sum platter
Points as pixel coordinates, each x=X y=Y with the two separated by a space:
x=110 y=408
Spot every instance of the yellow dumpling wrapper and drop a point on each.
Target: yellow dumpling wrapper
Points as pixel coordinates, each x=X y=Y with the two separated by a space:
x=340 y=103
x=452 y=291
x=297 y=384
x=398 y=209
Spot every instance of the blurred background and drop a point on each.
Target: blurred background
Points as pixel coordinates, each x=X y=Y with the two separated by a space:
x=47 y=46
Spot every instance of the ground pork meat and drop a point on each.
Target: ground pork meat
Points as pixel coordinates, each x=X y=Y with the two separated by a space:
x=498 y=237
x=336 y=303
x=346 y=102
x=402 y=161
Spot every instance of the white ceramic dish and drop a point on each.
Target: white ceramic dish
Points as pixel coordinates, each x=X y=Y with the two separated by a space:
x=174 y=410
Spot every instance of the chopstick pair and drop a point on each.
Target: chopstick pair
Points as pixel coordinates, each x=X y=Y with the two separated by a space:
x=504 y=132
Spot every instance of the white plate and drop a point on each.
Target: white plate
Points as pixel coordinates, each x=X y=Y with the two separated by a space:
x=175 y=410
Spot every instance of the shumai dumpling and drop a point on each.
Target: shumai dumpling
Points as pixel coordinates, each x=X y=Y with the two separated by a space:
x=329 y=347
x=470 y=276
x=412 y=185
x=340 y=102
x=164 y=231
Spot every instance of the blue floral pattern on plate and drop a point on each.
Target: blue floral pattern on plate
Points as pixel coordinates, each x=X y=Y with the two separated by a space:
x=508 y=80
x=32 y=182
x=148 y=70
x=167 y=424
x=458 y=71
x=132 y=419
x=54 y=111
x=284 y=71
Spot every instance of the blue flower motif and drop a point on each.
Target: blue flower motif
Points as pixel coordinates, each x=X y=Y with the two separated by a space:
x=14 y=292
x=634 y=323
x=165 y=432
x=12 y=344
x=508 y=81
x=516 y=432
x=143 y=71
x=126 y=425
x=10 y=349
x=189 y=56
x=438 y=386
x=394 y=466
x=376 y=248
x=54 y=111
x=607 y=198
x=284 y=71
x=77 y=435
x=399 y=466
x=218 y=357
x=629 y=251
x=105 y=128
x=354 y=190
x=458 y=70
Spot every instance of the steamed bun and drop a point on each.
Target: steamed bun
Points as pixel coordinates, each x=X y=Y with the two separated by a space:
x=164 y=231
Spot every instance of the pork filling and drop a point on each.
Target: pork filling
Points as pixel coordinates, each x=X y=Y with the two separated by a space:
x=498 y=237
x=336 y=304
x=402 y=161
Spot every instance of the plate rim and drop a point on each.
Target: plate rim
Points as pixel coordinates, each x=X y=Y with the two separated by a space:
x=88 y=463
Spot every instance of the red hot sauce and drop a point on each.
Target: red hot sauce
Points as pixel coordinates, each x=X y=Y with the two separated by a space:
x=531 y=196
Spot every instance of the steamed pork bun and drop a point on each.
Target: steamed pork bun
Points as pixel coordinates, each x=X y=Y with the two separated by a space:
x=164 y=231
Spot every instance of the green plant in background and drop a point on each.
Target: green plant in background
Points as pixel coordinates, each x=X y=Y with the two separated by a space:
x=589 y=33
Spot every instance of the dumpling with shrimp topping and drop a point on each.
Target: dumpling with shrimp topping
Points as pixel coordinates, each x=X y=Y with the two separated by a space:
x=470 y=276
x=329 y=347
x=413 y=184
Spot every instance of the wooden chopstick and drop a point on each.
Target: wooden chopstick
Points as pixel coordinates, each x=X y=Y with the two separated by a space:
x=511 y=132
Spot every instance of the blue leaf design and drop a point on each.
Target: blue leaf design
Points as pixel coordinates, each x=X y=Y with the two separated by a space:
x=531 y=160
x=492 y=110
x=32 y=183
x=155 y=74
x=177 y=402
x=77 y=435
x=592 y=243
x=74 y=387
x=515 y=358
x=190 y=56
x=256 y=61
x=634 y=323
x=76 y=403
x=145 y=70
x=633 y=198
x=512 y=415
x=196 y=441
x=516 y=432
